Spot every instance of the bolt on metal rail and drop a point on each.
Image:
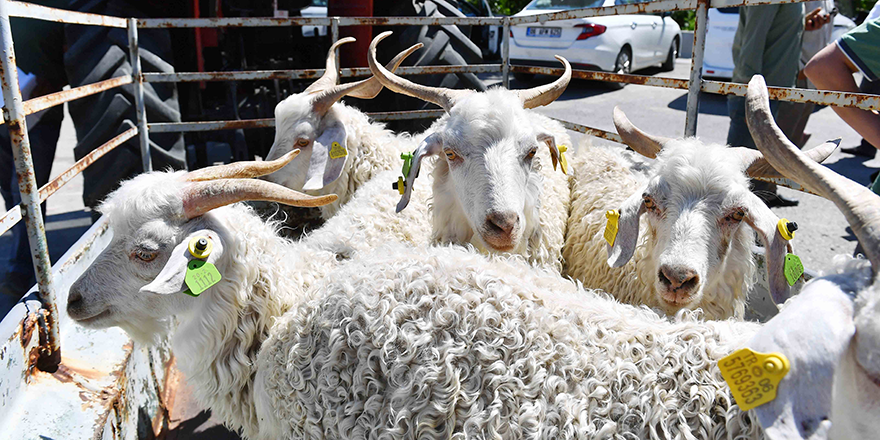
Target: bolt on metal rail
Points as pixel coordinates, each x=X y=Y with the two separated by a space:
x=15 y=110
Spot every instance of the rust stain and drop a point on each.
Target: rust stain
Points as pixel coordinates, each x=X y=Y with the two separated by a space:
x=47 y=101
x=27 y=329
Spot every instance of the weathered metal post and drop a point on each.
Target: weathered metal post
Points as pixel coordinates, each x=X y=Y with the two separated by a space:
x=13 y=113
x=334 y=31
x=696 y=79
x=138 y=80
x=505 y=53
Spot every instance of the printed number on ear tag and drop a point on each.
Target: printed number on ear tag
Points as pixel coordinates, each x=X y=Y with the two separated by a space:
x=337 y=150
x=200 y=275
x=753 y=377
x=563 y=162
x=793 y=268
x=611 y=226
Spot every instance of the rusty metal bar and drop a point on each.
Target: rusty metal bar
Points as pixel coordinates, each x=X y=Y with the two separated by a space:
x=259 y=75
x=138 y=78
x=186 y=127
x=822 y=97
x=404 y=115
x=505 y=53
x=656 y=81
x=632 y=8
x=47 y=101
x=29 y=10
x=696 y=79
x=62 y=179
x=599 y=133
x=151 y=23
x=334 y=32
x=10 y=219
x=13 y=112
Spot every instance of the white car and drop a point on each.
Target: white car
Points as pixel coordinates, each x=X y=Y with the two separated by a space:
x=718 y=58
x=620 y=43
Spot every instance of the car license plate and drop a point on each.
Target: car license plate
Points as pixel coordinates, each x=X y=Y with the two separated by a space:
x=544 y=32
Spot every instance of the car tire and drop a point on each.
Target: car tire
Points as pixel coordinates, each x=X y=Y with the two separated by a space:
x=524 y=77
x=622 y=65
x=669 y=64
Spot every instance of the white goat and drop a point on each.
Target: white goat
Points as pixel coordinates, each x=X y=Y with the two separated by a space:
x=341 y=147
x=401 y=342
x=694 y=251
x=493 y=186
x=832 y=334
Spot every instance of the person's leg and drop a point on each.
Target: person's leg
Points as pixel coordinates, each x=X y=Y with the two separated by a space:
x=831 y=69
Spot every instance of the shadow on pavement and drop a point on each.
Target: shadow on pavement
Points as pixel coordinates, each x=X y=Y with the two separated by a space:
x=852 y=168
x=62 y=231
x=710 y=104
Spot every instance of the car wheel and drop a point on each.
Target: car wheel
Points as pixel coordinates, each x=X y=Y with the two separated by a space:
x=524 y=77
x=622 y=65
x=669 y=64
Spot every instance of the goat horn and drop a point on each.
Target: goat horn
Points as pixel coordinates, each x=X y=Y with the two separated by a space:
x=859 y=205
x=755 y=165
x=443 y=97
x=331 y=71
x=201 y=197
x=240 y=170
x=543 y=95
x=643 y=143
x=364 y=89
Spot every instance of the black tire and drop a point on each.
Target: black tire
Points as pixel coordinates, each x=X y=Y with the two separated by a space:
x=95 y=54
x=669 y=64
x=623 y=65
x=524 y=77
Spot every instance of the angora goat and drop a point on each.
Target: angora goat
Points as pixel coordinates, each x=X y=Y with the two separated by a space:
x=400 y=342
x=832 y=334
x=694 y=249
x=493 y=183
x=341 y=148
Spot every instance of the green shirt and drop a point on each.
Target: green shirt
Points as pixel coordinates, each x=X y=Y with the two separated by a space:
x=768 y=41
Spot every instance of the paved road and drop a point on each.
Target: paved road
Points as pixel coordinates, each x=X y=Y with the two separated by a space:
x=823 y=230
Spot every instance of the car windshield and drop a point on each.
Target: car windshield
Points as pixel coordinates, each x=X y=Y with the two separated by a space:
x=564 y=4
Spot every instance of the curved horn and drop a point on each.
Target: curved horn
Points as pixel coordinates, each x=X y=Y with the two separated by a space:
x=443 y=97
x=543 y=95
x=364 y=89
x=331 y=71
x=643 y=143
x=201 y=197
x=240 y=170
x=755 y=165
x=859 y=205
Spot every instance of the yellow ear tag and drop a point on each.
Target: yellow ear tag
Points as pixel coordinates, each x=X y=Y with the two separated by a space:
x=337 y=150
x=792 y=269
x=563 y=162
x=786 y=228
x=753 y=377
x=400 y=185
x=200 y=274
x=611 y=226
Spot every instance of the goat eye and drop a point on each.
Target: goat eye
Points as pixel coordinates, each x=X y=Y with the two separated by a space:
x=450 y=154
x=302 y=143
x=649 y=203
x=145 y=255
x=531 y=154
x=737 y=216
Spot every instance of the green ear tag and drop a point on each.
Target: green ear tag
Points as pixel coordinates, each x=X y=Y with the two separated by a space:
x=200 y=275
x=793 y=268
x=407 y=164
x=337 y=151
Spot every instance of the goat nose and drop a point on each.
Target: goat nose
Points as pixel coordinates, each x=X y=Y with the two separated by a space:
x=501 y=222
x=678 y=277
x=74 y=297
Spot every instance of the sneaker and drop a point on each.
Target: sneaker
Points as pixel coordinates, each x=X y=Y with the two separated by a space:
x=864 y=149
x=777 y=201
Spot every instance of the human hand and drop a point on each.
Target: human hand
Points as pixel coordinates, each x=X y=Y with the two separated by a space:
x=815 y=19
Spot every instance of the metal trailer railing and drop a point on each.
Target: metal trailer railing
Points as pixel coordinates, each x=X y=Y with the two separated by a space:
x=15 y=110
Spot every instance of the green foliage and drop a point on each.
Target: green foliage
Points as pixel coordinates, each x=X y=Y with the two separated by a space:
x=507 y=7
x=863 y=5
x=685 y=19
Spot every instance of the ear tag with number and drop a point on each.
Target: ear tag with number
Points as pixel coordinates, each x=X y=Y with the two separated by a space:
x=400 y=185
x=200 y=274
x=611 y=226
x=337 y=150
x=753 y=377
x=793 y=268
x=563 y=162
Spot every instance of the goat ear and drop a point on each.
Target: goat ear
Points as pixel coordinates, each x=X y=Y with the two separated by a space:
x=627 y=230
x=171 y=279
x=764 y=222
x=431 y=146
x=329 y=154
x=551 y=143
x=814 y=332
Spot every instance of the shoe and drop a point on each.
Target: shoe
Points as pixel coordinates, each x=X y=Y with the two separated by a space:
x=777 y=201
x=864 y=149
